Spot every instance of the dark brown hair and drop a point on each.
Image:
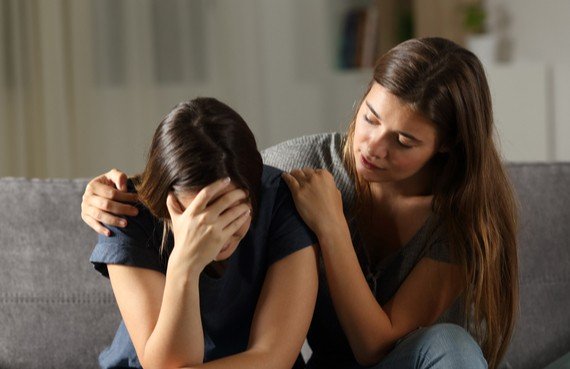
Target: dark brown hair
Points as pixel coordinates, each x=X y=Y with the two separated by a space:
x=472 y=193
x=198 y=142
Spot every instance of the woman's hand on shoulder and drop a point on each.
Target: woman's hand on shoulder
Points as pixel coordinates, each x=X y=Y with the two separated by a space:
x=105 y=199
x=316 y=197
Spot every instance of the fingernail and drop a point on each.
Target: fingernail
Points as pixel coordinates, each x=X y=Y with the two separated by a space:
x=123 y=223
x=108 y=233
x=227 y=180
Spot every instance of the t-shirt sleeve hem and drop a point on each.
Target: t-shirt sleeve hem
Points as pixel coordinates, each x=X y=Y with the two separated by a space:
x=123 y=254
x=283 y=252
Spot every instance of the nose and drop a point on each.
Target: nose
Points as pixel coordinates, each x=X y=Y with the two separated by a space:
x=377 y=146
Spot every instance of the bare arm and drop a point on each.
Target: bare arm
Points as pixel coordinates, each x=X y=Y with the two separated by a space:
x=162 y=314
x=282 y=317
x=371 y=329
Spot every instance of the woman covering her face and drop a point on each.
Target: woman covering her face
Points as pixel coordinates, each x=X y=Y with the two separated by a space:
x=216 y=264
x=414 y=215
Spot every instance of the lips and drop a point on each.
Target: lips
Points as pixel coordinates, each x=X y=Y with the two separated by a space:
x=367 y=164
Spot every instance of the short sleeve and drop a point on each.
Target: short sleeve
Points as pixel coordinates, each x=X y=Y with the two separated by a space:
x=137 y=244
x=287 y=232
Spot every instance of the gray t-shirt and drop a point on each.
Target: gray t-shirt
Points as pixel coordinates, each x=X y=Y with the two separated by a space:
x=326 y=338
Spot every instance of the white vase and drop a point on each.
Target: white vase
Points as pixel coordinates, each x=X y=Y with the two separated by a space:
x=485 y=46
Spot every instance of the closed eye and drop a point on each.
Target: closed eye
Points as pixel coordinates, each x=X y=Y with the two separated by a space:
x=402 y=142
x=368 y=119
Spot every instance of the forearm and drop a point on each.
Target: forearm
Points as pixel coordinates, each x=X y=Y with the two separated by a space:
x=247 y=360
x=366 y=325
x=282 y=316
x=177 y=339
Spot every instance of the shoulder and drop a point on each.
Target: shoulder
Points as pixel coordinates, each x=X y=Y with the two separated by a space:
x=437 y=243
x=319 y=150
x=277 y=223
x=139 y=227
x=322 y=150
x=273 y=189
x=137 y=244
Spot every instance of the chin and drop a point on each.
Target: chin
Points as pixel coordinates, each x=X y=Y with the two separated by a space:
x=225 y=254
x=370 y=176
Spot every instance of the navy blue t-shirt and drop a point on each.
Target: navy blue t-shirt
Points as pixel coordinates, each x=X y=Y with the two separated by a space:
x=227 y=303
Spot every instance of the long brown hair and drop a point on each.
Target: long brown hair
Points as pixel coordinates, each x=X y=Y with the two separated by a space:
x=472 y=192
x=197 y=143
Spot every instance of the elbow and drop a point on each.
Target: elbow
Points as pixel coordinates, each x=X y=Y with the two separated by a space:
x=150 y=361
x=367 y=360
x=368 y=356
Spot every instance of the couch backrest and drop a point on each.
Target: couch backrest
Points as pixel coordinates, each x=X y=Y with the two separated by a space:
x=543 y=330
x=55 y=310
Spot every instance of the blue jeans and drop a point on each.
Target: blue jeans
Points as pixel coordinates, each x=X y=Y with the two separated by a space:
x=441 y=346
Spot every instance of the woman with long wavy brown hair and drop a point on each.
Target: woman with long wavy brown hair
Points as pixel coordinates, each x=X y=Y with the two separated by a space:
x=420 y=152
x=415 y=216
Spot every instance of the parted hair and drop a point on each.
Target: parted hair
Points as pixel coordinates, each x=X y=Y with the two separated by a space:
x=472 y=194
x=196 y=143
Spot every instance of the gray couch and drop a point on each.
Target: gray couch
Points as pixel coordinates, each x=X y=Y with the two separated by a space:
x=57 y=312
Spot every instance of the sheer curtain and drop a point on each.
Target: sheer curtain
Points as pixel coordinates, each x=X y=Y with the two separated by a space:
x=83 y=83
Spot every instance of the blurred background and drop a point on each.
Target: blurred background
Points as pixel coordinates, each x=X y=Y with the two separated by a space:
x=84 y=83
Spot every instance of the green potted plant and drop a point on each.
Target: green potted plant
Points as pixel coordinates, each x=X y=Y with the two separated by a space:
x=478 y=39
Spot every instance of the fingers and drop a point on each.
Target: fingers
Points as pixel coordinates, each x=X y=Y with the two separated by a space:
x=103 y=217
x=113 y=207
x=100 y=204
x=233 y=226
x=118 y=178
x=290 y=181
x=95 y=225
x=173 y=205
x=226 y=201
x=308 y=172
x=103 y=187
x=299 y=175
x=233 y=214
x=207 y=194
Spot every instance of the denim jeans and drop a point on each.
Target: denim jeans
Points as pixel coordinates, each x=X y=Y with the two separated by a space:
x=441 y=346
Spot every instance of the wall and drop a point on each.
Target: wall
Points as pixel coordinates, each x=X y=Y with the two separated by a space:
x=65 y=111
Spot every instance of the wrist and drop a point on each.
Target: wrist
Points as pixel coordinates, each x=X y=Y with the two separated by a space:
x=185 y=265
x=332 y=233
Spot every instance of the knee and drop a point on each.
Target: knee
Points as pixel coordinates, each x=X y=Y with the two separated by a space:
x=449 y=346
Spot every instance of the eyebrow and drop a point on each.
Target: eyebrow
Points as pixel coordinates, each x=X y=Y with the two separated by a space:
x=372 y=110
x=405 y=134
